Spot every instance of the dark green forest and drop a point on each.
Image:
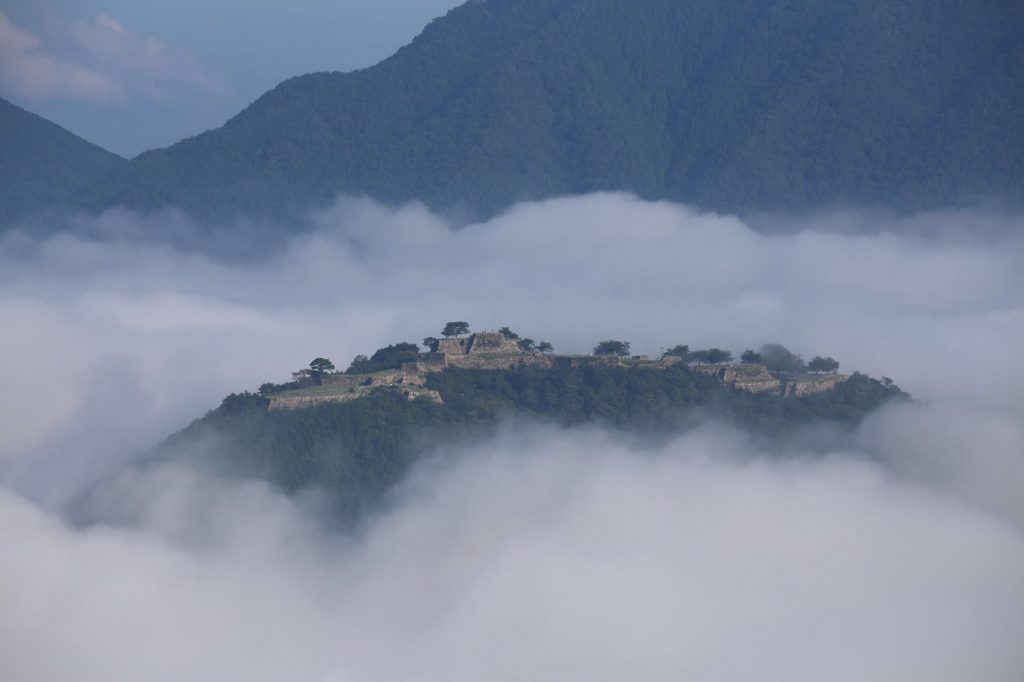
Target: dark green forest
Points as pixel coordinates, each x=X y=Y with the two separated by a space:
x=356 y=451
x=43 y=165
x=733 y=105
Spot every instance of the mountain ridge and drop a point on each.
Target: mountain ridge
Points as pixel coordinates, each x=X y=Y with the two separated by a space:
x=42 y=164
x=735 y=106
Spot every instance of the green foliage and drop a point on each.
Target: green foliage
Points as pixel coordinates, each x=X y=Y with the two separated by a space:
x=820 y=364
x=389 y=357
x=320 y=366
x=240 y=403
x=455 y=329
x=43 y=165
x=711 y=356
x=778 y=358
x=508 y=333
x=679 y=351
x=731 y=105
x=751 y=358
x=612 y=347
x=545 y=347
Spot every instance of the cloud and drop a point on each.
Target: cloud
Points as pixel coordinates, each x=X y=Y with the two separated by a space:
x=894 y=552
x=554 y=555
x=101 y=60
x=28 y=70
x=941 y=314
x=146 y=64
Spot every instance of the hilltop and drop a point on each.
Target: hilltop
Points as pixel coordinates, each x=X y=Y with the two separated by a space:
x=403 y=369
x=732 y=105
x=355 y=434
x=42 y=164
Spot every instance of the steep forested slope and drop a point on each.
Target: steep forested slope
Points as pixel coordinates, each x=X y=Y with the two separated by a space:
x=41 y=164
x=730 y=104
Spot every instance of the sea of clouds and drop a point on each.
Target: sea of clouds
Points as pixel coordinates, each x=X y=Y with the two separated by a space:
x=895 y=553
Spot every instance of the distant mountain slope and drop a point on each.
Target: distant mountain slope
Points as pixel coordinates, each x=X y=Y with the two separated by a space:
x=729 y=104
x=41 y=164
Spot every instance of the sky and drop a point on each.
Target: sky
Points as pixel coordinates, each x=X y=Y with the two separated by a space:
x=895 y=552
x=131 y=76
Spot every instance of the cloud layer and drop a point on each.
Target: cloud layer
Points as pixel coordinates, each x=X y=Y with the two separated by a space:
x=554 y=556
x=895 y=553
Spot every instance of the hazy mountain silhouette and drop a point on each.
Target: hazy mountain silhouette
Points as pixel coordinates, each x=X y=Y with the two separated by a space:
x=43 y=165
x=733 y=105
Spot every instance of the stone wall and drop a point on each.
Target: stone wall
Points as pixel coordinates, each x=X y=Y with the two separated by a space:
x=573 y=361
x=507 y=361
x=452 y=346
x=342 y=380
x=747 y=377
x=798 y=388
x=492 y=342
x=411 y=379
x=301 y=402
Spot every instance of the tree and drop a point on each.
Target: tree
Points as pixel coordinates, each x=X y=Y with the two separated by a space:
x=455 y=329
x=431 y=342
x=545 y=347
x=711 y=356
x=717 y=355
x=508 y=334
x=679 y=351
x=267 y=388
x=752 y=358
x=527 y=345
x=611 y=347
x=820 y=364
x=389 y=357
x=778 y=358
x=321 y=366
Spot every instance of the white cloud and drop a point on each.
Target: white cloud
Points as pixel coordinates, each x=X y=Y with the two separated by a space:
x=895 y=553
x=100 y=60
x=548 y=556
x=30 y=71
x=144 y=63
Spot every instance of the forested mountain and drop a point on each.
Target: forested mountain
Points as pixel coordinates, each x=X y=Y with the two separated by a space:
x=729 y=104
x=41 y=164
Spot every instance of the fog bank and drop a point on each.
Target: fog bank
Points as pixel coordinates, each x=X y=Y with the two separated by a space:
x=894 y=553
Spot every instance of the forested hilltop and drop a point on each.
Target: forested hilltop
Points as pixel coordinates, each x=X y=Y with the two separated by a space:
x=42 y=165
x=357 y=449
x=733 y=105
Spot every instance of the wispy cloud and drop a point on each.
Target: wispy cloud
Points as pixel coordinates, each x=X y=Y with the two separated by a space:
x=29 y=70
x=99 y=60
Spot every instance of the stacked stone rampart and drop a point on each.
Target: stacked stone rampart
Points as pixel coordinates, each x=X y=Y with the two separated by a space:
x=452 y=346
x=798 y=388
x=747 y=377
x=505 y=361
x=492 y=351
x=490 y=343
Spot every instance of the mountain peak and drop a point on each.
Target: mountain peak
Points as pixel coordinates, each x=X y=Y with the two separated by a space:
x=733 y=105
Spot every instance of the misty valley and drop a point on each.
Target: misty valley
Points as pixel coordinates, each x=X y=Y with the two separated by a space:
x=503 y=340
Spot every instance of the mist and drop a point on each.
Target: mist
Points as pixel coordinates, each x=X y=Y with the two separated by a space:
x=893 y=553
